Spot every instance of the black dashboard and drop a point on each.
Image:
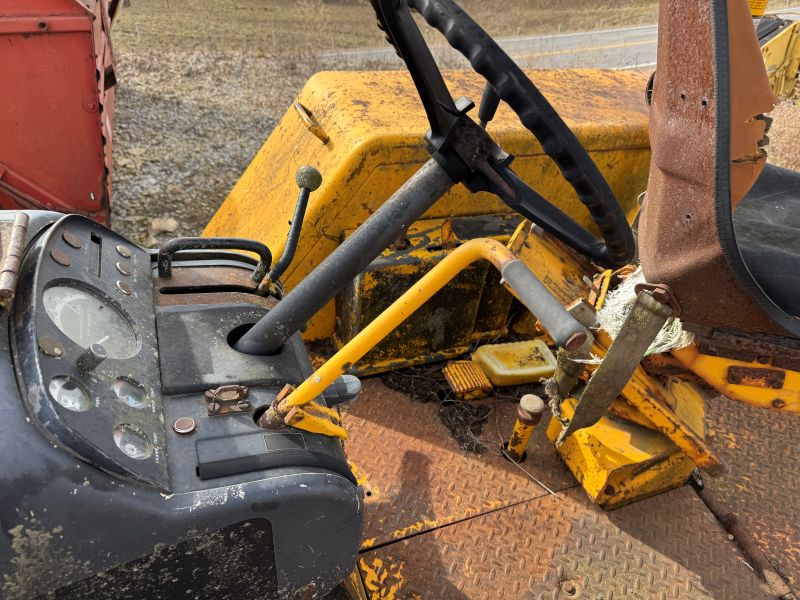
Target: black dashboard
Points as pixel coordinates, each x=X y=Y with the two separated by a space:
x=87 y=349
x=127 y=422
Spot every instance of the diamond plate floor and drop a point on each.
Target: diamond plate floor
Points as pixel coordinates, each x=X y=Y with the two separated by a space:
x=566 y=548
x=443 y=523
x=763 y=486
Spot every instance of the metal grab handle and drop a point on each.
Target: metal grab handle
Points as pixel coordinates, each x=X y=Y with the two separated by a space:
x=197 y=243
x=561 y=325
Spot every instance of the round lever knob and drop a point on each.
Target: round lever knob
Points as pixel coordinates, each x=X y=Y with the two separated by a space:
x=308 y=178
x=91 y=358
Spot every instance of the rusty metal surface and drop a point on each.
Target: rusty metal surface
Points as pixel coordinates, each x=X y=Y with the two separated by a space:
x=762 y=486
x=679 y=243
x=444 y=523
x=784 y=352
x=415 y=476
x=668 y=546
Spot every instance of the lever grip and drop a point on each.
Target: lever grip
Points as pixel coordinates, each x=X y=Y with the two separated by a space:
x=565 y=330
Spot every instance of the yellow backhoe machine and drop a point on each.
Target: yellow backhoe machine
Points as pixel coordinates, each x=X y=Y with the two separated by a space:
x=169 y=435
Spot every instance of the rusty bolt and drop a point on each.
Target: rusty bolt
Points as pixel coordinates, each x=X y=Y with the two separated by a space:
x=243 y=405
x=778 y=403
x=213 y=407
x=569 y=588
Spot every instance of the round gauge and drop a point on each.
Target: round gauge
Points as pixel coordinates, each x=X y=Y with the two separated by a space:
x=132 y=442
x=69 y=394
x=130 y=392
x=87 y=319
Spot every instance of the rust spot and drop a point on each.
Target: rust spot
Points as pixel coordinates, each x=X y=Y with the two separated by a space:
x=752 y=377
x=778 y=403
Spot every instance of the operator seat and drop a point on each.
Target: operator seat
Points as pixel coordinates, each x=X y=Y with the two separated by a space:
x=767 y=227
x=719 y=226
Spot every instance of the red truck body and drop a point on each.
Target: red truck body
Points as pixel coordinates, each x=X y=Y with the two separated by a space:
x=56 y=105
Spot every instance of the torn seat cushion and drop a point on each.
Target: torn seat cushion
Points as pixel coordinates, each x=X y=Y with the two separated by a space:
x=767 y=227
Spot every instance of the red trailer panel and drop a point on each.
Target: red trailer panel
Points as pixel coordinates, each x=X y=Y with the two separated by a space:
x=56 y=105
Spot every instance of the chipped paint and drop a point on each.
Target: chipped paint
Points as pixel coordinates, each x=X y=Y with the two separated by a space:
x=383 y=580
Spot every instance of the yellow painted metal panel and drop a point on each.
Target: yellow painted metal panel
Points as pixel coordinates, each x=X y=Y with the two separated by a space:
x=375 y=125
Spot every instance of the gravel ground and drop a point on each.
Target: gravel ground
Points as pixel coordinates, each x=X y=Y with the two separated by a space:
x=187 y=125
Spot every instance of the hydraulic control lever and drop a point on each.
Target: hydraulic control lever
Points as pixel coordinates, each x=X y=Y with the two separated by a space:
x=308 y=180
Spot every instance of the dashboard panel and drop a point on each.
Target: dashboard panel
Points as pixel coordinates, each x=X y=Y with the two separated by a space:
x=87 y=348
x=113 y=453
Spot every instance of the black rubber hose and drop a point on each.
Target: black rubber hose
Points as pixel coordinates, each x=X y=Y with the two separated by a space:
x=539 y=117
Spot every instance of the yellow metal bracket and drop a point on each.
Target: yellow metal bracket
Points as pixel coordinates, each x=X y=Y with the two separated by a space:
x=755 y=383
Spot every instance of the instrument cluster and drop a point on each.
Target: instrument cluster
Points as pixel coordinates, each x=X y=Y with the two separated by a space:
x=87 y=352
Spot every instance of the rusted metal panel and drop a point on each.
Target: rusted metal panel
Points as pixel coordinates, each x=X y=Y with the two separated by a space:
x=761 y=486
x=416 y=477
x=753 y=377
x=678 y=229
x=57 y=106
x=561 y=547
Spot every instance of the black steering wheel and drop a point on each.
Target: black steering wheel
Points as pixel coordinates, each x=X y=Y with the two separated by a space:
x=470 y=156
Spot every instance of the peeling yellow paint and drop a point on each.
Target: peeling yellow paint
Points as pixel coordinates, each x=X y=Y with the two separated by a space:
x=383 y=580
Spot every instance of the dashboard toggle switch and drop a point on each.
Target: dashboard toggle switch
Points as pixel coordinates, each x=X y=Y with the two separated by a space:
x=91 y=358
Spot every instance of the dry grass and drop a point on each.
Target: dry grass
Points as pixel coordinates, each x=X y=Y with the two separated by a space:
x=278 y=26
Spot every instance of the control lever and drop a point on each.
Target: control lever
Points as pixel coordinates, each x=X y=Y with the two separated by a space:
x=308 y=180
x=490 y=102
x=296 y=407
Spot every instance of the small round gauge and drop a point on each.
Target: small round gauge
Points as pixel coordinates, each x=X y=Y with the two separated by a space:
x=132 y=442
x=130 y=392
x=69 y=394
x=87 y=319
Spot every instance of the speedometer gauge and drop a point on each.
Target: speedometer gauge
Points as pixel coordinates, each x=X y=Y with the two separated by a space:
x=87 y=319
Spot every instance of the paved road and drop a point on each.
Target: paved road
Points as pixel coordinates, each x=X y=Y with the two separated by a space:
x=627 y=47
x=624 y=48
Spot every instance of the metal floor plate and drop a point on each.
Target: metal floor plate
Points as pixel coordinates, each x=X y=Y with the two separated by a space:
x=668 y=546
x=763 y=486
x=444 y=523
x=417 y=478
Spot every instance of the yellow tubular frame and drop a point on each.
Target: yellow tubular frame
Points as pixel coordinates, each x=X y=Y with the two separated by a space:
x=458 y=260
